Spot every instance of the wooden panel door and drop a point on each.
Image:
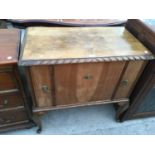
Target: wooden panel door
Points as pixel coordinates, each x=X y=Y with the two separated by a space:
x=129 y=79
x=43 y=85
x=80 y=83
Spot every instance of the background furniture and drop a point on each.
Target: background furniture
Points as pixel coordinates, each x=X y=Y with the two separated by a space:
x=143 y=97
x=23 y=23
x=14 y=113
x=69 y=67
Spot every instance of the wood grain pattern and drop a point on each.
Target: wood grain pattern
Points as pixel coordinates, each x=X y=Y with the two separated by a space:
x=130 y=76
x=67 y=45
x=111 y=72
x=65 y=83
x=9 y=46
x=7 y=81
x=81 y=83
x=41 y=76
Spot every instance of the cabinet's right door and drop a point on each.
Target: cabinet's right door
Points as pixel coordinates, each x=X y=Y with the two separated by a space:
x=129 y=78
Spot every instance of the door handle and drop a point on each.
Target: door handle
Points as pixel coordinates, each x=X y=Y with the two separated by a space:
x=45 y=89
x=88 y=77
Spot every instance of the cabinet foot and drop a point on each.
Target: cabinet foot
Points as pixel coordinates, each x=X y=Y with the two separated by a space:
x=39 y=130
x=121 y=109
x=37 y=121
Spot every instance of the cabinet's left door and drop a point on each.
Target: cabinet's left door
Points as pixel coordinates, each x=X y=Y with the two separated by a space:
x=42 y=85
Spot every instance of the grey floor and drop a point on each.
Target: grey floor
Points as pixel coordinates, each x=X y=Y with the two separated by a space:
x=94 y=120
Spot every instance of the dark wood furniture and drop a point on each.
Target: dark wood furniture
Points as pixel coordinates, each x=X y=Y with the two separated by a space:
x=142 y=102
x=13 y=111
x=69 y=67
x=65 y=22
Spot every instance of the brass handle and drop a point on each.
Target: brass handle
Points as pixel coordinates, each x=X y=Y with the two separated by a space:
x=5 y=102
x=8 y=121
x=88 y=77
x=45 y=89
x=124 y=83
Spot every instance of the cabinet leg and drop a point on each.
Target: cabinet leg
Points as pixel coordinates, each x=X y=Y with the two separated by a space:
x=37 y=121
x=121 y=109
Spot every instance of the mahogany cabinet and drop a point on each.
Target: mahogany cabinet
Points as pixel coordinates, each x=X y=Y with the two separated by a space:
x=69 y=67
x=13 y=111
x=142 y=102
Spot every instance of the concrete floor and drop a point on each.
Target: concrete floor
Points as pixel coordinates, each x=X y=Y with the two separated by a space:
x=90 y=120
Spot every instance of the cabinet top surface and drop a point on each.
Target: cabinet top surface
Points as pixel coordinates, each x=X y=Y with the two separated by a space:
x=64 y=43
x=9 y=46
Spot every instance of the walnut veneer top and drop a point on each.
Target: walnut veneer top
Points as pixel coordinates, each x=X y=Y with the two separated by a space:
x=68 y=45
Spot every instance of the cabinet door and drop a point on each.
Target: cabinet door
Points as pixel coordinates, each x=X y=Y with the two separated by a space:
x=81 y=83
x=42 y=84
x=130 y=76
